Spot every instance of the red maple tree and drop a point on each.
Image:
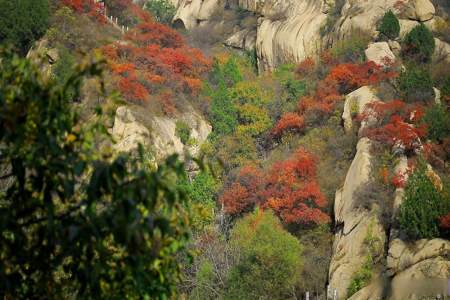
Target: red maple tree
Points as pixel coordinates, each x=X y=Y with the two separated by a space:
x=289 y=188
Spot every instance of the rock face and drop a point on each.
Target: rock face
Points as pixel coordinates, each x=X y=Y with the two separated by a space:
x=133 y=126
x=380 y=53
x=420 y=10
x=355 y=103
x=44 y=56
x=350 y=247
x=286 y=30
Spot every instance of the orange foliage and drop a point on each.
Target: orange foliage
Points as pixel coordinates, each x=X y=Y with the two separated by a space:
x=154 y=56
x=89 y=7
x=289 y=122
x=306 y=67
x=445 y=222
x=289 y=188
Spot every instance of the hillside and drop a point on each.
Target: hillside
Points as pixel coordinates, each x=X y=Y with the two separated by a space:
x=311 y=142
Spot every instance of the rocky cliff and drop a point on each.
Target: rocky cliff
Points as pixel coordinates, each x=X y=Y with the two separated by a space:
x=287 y=31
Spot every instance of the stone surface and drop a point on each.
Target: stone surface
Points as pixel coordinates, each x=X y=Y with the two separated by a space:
x=127 y=132
x=441 y=52
x=395 y=46
x=190 y=13
x=243 y=39
x=131 y=128
x=354 y=223
x=44 y=56
x=406 y=26
x=420 y=10
x=355 y=103
x=380 y=53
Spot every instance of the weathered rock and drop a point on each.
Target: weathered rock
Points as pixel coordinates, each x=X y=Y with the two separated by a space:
x=380 y=53
x=437 y=95
x=131 y=128
x=355 y=103
x=441 y=52
x=395 y=46
x=243 y=39
x=128 y=132
x=356 y=224
x=44 y=56
x=406 y=26
x=420 y=10
x=191 y=13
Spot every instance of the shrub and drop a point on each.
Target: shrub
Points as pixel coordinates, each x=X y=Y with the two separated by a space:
x=23 y=22
x=75 y=222
x=389 y=26
x=162 y=10
x=437 y=120
x=446 y=89
x=351 y=49
x=422 y=207
x=418 y=44
x=270 y=259
x=416 y=84
x=183 y=131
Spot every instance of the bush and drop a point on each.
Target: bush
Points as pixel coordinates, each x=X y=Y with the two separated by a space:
x=162 y=10
x=389 y=26
x=351 y=49
x=270 y=259
x=416 y=84
x=418 y=44
x=423 y=205
x=437 y=120
x=23 y=22
x=446 y=89
x=183 y=131
x=76 y=223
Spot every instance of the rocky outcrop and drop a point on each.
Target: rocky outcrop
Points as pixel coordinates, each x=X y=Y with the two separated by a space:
x=290 y=30
x=380 y=53
x=44 y=56
x=355 y=103
x=134 y=126
x=350 y=247
x=441 y=52
x=420 y=10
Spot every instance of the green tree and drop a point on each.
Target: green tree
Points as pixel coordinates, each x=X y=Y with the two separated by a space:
x=270 y=259
x=389 y=25
x=183 y=131
x=437 y=119
x=422 y=206
x=76 y=223
x=416 y=84
x=418 y=44
x=22 y=22
x=162 y=10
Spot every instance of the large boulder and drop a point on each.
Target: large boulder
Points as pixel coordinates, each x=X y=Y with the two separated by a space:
x=441 y=51
x=380 y=53
x=355 y=224
x=406 y=26
x=419 y=268
x=128 y=132
x=191 y=13
x=420 y=10
x=134 y=126
x=244 y=39
x=355 y=103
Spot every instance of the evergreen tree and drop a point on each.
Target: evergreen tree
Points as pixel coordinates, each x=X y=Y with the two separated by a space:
x=389 y=26
x=22 y=22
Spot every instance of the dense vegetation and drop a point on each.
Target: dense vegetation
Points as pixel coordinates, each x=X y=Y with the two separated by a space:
x=255 y=221
x=74 y=221
x=22 y=22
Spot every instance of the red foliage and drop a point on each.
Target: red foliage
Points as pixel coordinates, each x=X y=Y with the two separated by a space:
x=152 y=33
x=289 y=122
x=306 y=67
x=396 y=124
x=445 y=222
x=349 y=77
x=289 y=188
x=399 y=180
x=89 y=7
x=154 y=58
